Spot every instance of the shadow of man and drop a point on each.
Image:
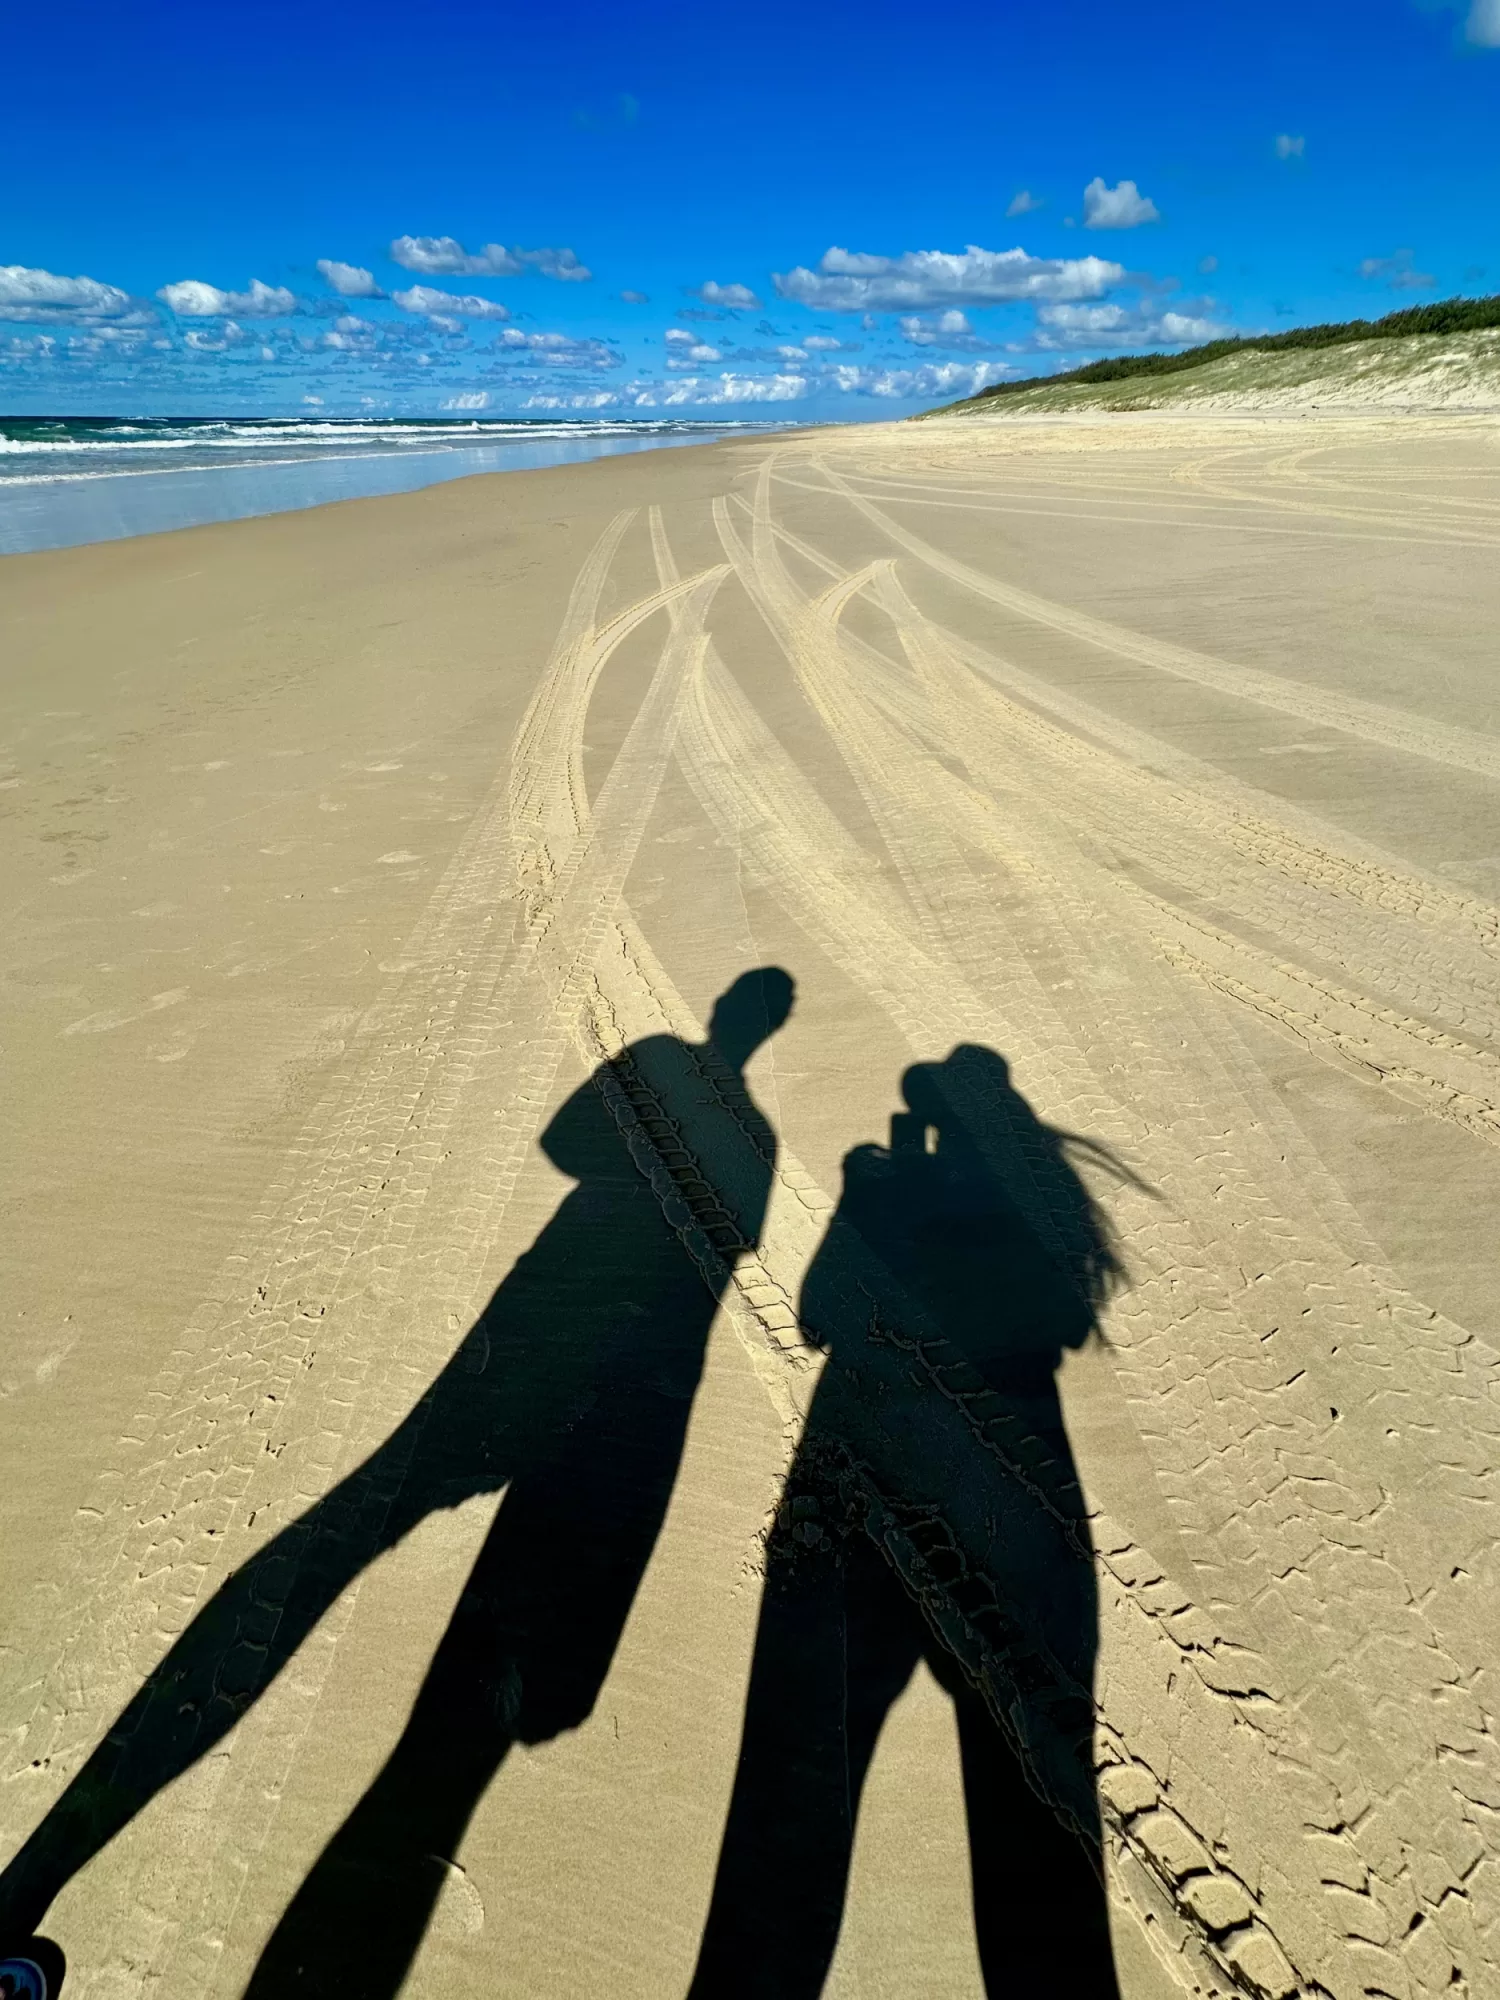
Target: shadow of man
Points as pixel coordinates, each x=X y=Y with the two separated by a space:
x=572 y=1391
x=974 y=1229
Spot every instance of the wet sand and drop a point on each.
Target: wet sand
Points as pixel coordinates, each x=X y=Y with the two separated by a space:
x=1159 y=756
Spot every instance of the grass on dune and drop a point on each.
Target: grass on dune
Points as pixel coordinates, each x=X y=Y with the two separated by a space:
x=1369 y=354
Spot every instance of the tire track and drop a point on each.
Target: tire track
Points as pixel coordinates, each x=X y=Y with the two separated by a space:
x=1292 y=1258
x=535 y=984
x=1413 y=735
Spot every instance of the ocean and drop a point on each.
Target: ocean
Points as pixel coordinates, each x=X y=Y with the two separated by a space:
x=65 y=480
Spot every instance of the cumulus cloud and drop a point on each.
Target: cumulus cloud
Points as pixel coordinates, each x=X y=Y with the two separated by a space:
x=34 y=295
x=472 y=399
x=1289 y=147
x=560 y=264
x=594 y=399
x=726 y=295
x=924 y=384
x=1122 y=207
x=733 y=388
x=1024 y=202
x=948 y=329
x=1070 y=326
x=558 y=349
x=851 y=281
x=41 y=297
x=453 y=305
x=446 y=257
x=1482 y=28
x=686 y=350
x=351 y=281
x=704 y=391
x=1398 y=271
x=822 y=343
x=190 y=298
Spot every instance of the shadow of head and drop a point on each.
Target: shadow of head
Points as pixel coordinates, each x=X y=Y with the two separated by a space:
x=750 y=1011
x=978 y=1206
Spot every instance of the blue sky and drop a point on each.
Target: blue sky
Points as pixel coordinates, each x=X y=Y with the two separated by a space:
x=799 y=211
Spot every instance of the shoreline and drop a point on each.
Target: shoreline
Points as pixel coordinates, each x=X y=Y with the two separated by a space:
x=49 y=510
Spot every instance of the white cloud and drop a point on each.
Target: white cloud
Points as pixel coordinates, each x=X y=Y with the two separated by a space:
x=472 y=399
x=1068 y=326
x=559 y=349
x=851 y=281
x=822 y=343
x=597 y=399
x=446 y=257
x=635 y=298
x=1024 y=202
x=190 y=298
x=560 y=264
x=351 y=281
x=1398 y=271
x=1289 y=147
x=728 y=387
x=1174 y=326
x=726 y=295
x=686 y=350
x=428 y=299
x=34 y=295
x=1483 y=25
x=1122 y=207
x=948 y=329
x=942 y=378
x=216 y=339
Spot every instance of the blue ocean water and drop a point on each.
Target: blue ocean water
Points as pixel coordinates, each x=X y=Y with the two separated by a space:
x=65 y=480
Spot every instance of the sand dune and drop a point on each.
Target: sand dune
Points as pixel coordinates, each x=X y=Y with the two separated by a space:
x=1431 y=372
x=1157 y=758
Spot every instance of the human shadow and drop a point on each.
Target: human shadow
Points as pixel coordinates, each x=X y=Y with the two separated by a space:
x=964 y=1259
x=572 y=1391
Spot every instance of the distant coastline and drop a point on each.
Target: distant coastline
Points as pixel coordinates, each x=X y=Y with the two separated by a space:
x=65 y=481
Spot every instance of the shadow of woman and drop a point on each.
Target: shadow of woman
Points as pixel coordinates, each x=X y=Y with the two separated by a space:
x=974 y=1229
x=572 y=1391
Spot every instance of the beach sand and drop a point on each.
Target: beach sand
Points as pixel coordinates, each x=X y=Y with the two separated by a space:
x=1159 y=756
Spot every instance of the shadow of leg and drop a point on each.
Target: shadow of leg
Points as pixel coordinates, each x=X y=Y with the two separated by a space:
x=1040 y=1915
x=837 y=1642
x=523 y=1659
x=233 y=1649
x=354 y=1926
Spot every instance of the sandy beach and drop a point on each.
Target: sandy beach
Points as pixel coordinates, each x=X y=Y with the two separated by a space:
x=1159 y=757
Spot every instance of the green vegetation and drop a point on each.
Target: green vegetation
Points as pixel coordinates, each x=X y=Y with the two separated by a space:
x=1446 y=316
